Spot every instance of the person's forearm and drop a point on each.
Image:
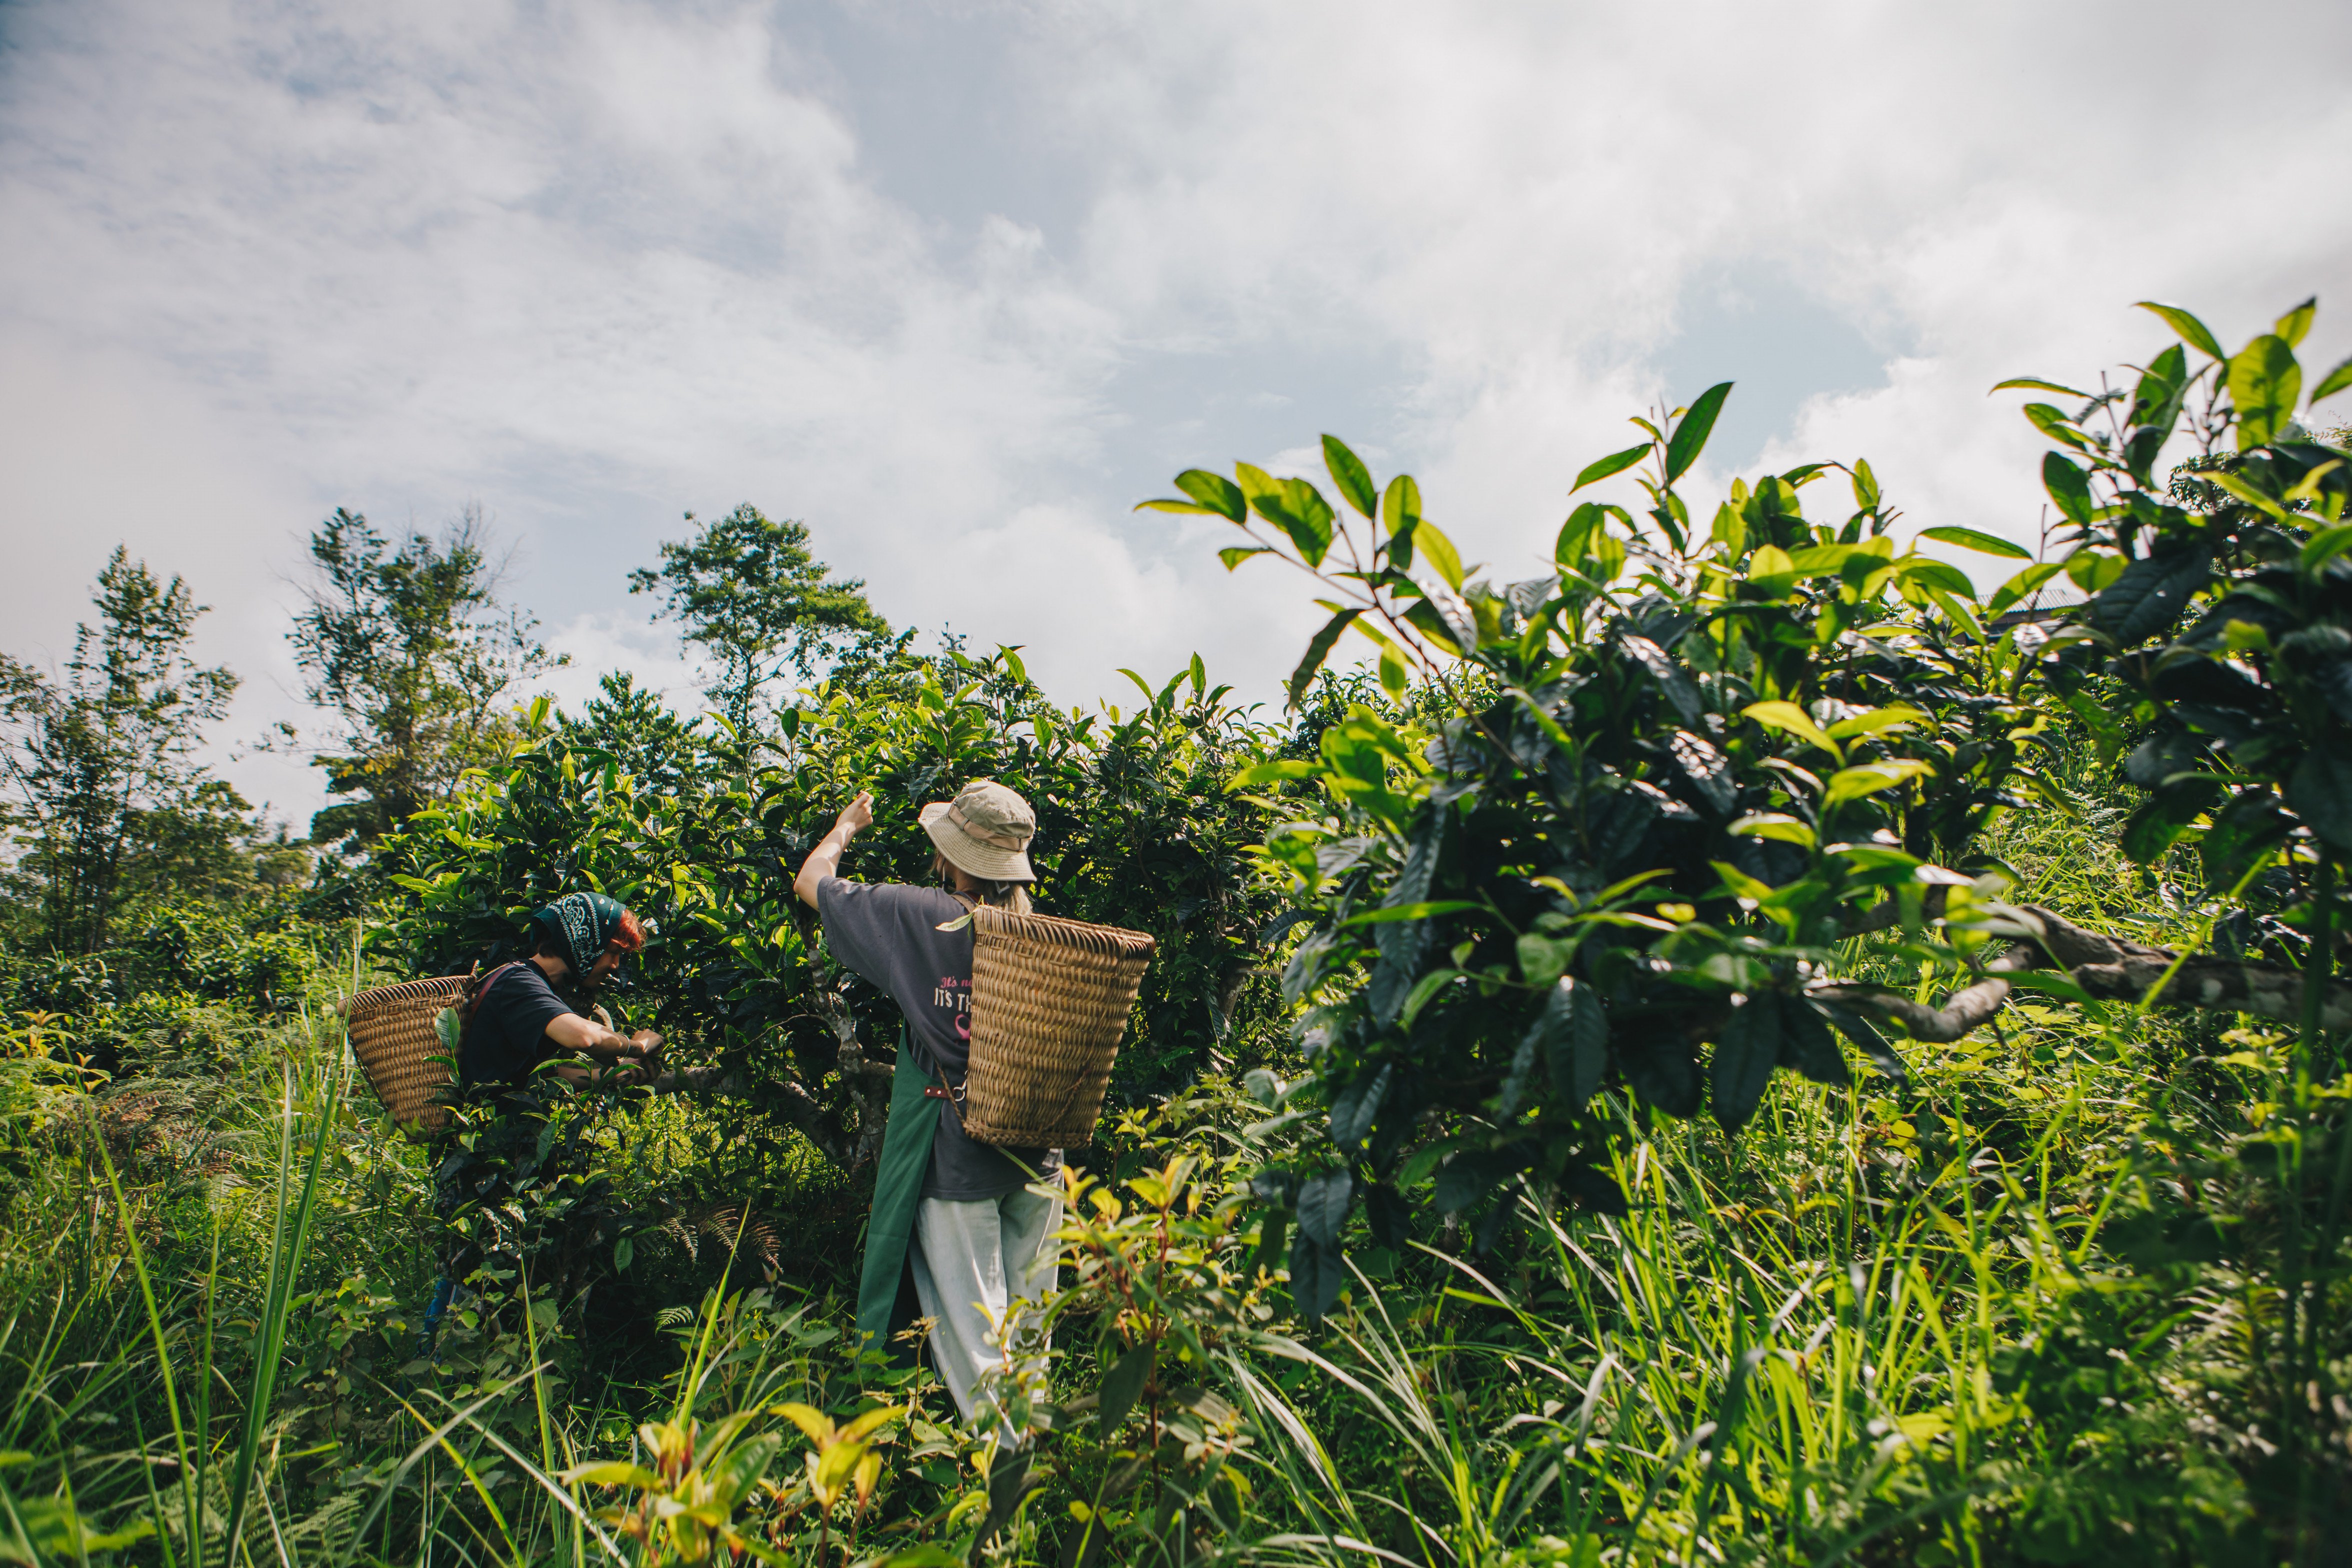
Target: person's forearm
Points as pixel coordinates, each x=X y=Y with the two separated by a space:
x=823 y=861
x=575 y=1032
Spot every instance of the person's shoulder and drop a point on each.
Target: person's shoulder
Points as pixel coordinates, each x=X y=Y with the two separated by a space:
x=890 y=898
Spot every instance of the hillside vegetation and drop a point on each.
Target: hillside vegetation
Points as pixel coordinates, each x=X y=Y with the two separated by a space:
x=1741 y=1048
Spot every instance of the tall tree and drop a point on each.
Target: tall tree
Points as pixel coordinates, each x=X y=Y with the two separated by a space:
x=100 y=765
x=412 y=650
x=748 y=590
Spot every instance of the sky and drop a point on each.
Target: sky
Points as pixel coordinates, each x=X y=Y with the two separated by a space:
x=958 y=284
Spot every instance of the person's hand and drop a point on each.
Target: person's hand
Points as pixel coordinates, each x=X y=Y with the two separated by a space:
x=647 y=1042
x=858 y=816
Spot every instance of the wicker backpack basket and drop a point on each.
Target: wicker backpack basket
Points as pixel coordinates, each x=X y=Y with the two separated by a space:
x=394 y=1038
x=1050 y=999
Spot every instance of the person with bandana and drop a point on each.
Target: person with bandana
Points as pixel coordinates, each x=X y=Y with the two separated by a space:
x=525 y=1021
x=542 y=1009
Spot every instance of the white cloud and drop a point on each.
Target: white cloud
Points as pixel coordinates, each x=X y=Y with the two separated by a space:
x=594 y=266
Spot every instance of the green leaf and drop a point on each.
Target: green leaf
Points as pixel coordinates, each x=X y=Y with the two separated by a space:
x=1400 y=505
x=2069 y=486
x=1788 y=716
x=1122 y=1381
x=1865 y=486
x=2032 y=383
x=1809 y=1046
x=1323 y=1203
x=1747 y=1049
x=1982 y=544
x=1569 y=547
x=2023 y=586
x=1935 y=574
x=2323 y=546
x=2194 y=332
x=2320 y=790
x=1427 y=908
x=1615 y=463
x=2265 y=383
x=1234 y=556
x=1165 y=503
x=1574 y=1027
x=2334 y=382
x=1215 y=492
x=1318 y=650
x=1299 y=509
x=1869 y=778
x=2297 y=322
x=1690 y=435
x=1775 y=825
x=1348 y=472
x=2149 y=594
x=1431 y=543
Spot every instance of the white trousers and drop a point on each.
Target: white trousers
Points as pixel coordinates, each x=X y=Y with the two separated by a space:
x=971 y=1259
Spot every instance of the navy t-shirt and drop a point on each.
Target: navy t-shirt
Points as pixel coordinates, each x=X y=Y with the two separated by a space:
x=888 y=934
x=507 y=1037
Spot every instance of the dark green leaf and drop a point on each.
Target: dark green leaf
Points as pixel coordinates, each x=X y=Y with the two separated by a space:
x=1348 y=472
x=1422 y=617
x=1315 y=1276
x=1318 y=649
x=1662 y=1070
x=1746 y=1048
x=1355 y=1107
x=2150 y=830
x=2068 y=485
x=1690 y=435
x=1982 y=544
x=1615 y=463
x=1807 y=1044
x=1323 y=1202
x=2150 y=596
x=1672 y=682
x=1575 y=1030
x=2320 y=790
x=1122 y=1381
x=2196 y=333
x=1299 y=509
x=1866 y=1038
x=1214 y=492
x=2265 y=383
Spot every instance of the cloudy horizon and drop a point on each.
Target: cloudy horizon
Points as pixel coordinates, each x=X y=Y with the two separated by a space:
x=958 y=284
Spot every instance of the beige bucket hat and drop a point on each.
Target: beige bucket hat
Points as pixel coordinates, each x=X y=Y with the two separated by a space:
x=985 y=830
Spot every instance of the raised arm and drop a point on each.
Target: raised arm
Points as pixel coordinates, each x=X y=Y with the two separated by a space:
x=825 y=861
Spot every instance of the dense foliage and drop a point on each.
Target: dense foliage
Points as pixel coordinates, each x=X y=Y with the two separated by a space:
x=1408 y=1237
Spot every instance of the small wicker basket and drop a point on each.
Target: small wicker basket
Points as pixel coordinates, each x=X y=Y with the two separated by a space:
x=1050 y=999
x=392 y=1037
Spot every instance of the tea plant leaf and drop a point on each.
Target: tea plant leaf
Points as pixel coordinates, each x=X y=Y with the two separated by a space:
x=2196 y=333
x=1234 y=556
x=2265 y=383
x=1982 y=544
x=1121 y=1384
x=2069 y=486
x=2334 y=382
x=2297 y=322
x=2150 y=594
x=1615 y=463
x=1318 y=649
x=1690 y=435
x=1788 y=716
x=2320 y=790
x=1323 y=1203
x=1747 y=1049
x=2033 y=384
x=1348 y=472
x=1215 y=492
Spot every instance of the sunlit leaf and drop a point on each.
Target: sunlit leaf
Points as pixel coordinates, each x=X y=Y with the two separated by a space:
x=1982 y=544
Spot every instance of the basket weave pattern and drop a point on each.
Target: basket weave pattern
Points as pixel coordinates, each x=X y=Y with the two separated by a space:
x=1050 y=1000
x=392 y=1035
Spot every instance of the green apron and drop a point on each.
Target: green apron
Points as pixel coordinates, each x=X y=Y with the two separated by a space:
x=898 y=1192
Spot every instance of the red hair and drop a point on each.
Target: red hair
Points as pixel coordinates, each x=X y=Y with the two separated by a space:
x=627 y=934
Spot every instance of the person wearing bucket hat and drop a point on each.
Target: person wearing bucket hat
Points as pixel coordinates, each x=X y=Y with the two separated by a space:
x=954 y=1222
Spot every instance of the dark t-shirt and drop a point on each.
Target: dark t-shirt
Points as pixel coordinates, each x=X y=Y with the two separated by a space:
x=507 y=1037
x=888 y=934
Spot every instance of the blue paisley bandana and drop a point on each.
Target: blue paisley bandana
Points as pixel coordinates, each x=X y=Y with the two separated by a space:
x=586 y=922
